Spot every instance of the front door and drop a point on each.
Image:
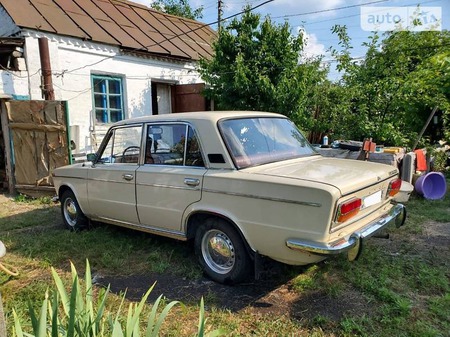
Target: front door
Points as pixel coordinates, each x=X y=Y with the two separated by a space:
x=112 y=178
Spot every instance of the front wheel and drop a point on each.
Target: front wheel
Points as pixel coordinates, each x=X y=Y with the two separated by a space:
x=222 y=252
x=73 y=217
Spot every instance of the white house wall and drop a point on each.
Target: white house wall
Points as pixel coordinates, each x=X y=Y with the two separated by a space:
x=73 y=62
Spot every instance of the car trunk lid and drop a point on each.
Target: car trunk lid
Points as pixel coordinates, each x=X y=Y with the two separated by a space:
x=345 y=174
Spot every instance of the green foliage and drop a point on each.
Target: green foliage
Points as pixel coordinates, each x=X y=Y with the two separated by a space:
x=178 y=8
x=22 y=198
x=78 y=314
x=387 y=95
x=255 y=67
x=393 y=90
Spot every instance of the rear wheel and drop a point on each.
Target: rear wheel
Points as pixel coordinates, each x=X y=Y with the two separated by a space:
x=73 y=217
x=222 y=252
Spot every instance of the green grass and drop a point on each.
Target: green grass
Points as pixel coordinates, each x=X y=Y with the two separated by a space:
x=396 y=289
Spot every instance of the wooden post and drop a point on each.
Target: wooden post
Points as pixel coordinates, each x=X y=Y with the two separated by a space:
x=8 y=150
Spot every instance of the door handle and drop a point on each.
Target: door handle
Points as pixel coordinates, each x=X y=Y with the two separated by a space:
x=191 y=182
x=127 y=176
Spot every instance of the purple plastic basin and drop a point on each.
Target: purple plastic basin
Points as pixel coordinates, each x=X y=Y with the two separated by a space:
x=431 y=185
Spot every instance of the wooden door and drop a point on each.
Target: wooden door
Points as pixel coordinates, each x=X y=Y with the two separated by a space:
x=188 y=97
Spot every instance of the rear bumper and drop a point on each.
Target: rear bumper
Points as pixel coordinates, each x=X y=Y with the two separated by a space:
x=396 y=215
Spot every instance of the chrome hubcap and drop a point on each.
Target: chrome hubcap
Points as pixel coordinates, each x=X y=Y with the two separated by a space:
x=70 y=212
x=218 y=251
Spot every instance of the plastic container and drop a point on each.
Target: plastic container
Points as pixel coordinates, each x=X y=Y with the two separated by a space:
x=431 y=185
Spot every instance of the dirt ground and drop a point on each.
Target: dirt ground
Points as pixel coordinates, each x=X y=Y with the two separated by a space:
x=270 y=295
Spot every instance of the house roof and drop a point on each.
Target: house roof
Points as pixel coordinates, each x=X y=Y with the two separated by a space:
x=131 y=26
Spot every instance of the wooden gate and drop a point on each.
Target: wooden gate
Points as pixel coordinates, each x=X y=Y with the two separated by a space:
x=37 y=139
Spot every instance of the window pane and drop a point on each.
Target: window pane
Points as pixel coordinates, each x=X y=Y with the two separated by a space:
x=114 y=86
x=254 y=141
x=101 y=116
x=99 y=85
x=165 y=144
x=115 y=116
x=106 y=156
x=115 y=102
x=127 y=144
x=100 y=101
x=193 y=155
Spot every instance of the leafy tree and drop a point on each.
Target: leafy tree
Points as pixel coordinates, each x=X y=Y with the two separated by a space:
x=178 y=8
x=392 y=91
x=256 y=67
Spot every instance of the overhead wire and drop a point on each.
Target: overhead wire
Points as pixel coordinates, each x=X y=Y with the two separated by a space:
x=329 y=10
x=355 y=15
x=11 y=72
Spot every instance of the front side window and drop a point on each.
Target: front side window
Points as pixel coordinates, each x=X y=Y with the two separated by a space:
x=123 y=146
x=172 y=144
x=108 y=99
x=256 y=141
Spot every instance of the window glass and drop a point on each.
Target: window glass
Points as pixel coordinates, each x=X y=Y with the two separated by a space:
x=114 y=87
x=166 y=145
x=193 y=153
x=255 y=141
x=123 y=146
x=108 y=99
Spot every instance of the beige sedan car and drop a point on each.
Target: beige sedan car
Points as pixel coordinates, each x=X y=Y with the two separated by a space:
x=238 y=184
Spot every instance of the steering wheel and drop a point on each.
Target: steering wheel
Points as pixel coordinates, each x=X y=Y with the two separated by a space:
x=133 y=147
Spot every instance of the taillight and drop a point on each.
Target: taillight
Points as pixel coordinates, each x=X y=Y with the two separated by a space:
x=348 y=209
x=394 y=187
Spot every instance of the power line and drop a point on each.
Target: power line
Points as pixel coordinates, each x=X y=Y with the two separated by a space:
x=329 y=10
x=354 y=15
x=11 y=72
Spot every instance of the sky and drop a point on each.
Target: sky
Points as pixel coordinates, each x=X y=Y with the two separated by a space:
x=317 y=17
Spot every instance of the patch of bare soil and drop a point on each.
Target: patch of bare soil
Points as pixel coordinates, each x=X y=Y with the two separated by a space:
x=273 y=293
x=432 y=245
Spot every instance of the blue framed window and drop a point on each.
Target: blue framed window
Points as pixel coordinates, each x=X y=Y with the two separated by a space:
x=108 y=98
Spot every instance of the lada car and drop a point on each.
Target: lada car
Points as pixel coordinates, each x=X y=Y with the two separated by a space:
x=239 y=185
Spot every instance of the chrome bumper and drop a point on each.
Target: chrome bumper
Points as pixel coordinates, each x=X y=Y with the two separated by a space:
x=396 y=215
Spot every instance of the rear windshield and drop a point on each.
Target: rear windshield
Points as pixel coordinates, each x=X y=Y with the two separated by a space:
x=256 y=141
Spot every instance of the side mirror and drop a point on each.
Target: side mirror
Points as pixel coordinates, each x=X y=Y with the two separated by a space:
x=91 y=157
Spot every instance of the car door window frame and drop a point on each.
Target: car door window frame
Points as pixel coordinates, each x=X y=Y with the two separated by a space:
x=111 y=135
x=187 y=126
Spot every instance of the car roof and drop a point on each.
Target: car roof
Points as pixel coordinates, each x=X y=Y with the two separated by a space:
x=213 y=116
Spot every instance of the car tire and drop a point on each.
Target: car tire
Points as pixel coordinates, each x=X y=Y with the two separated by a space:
x=72 y=215
x=222 y=252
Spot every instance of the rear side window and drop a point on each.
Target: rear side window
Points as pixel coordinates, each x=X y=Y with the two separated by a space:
x=172 y=144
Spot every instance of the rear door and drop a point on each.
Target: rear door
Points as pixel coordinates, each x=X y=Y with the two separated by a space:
x=112 y=179
x=172 y=175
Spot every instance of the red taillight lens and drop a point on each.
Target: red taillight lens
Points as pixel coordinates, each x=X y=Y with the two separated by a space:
x=394 y=187
x=349 y=209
